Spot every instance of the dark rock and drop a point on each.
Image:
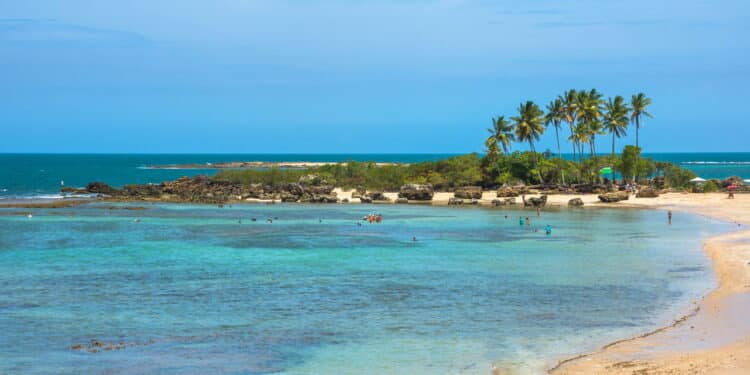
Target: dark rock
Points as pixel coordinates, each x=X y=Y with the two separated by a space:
x=365 y=199
x=101 y=188
x=377 y=195
x=497 y=202
x=468 y=192
x=614 y=197
x=455 y=201
x=535 y=201
x=417 y=192
x=647 y=192
x=345 y=200
x=575 y=202
x=506 y=191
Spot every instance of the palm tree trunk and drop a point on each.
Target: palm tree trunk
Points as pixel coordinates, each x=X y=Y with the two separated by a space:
x=613 y=144
x=637 y=127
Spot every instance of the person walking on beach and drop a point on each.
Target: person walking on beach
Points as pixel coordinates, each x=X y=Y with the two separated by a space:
x=669 y=216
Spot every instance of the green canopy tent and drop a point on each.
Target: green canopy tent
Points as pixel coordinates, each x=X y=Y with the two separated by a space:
x=607 y=171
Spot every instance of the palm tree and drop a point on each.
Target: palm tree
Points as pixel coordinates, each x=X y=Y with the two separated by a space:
x=555 y=115
x=529 y=127
x=502 y=133
x=568 y=98
x=616 y=118
x=589 y=105
x=638 y=104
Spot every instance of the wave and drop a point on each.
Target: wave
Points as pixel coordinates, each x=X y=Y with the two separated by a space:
x=716 y=162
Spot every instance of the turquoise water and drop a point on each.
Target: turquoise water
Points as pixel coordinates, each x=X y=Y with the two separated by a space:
x=39 y=175
x=190 y=290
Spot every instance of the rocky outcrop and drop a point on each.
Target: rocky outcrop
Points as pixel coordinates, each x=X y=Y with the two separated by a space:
x=417 y=192
x=455 y=201
x=365 y=199
x=377 y=195
x=647 y=192
x=100 y=188
x=507 y=192
x=614 y=197
x=468 y=192
x=535 y=201
x=575 y=202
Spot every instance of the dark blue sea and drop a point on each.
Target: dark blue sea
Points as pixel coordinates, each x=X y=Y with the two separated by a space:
x=41 y=175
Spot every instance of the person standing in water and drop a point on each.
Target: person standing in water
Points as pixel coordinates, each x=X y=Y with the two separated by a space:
x=669 y=216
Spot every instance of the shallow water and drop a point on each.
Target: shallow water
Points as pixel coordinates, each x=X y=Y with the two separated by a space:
x=189 y=289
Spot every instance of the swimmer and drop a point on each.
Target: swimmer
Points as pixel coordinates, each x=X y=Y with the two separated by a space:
x=137 y=221
x=253 y=219
x=548 y=229
x=359 y=224
x=29 y=216
x=520 y=220
x=538 y=211
x=414 y=239
x=669 y=217
x=506 y=217
x=528 y=222
x=239 y=221
x=269 y=221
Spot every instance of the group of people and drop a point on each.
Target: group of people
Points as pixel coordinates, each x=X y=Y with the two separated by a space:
x=527 y=222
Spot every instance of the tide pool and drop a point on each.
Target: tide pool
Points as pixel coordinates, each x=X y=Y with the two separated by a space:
x=194 y=289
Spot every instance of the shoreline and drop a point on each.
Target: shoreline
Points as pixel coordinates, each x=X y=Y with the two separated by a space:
x=713 y=337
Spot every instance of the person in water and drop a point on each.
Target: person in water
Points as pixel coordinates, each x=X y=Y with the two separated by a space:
x=548 y=229
x=528 y=222
x=669 y=217
x=520 y=220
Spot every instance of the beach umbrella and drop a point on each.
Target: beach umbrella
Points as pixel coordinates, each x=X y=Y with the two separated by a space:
x=698 y=179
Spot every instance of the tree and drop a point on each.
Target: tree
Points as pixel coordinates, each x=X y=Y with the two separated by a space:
x=616 y=118
x=528 y=126
x=589 y=105
x=639 y=103
x=555 y=115
x=568 y=99
x=628 y=163
x=502 y=133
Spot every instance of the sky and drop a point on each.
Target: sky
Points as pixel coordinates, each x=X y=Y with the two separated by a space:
x=359 y=76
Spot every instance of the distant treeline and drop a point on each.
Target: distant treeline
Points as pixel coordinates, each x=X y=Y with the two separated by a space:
x=471 y=169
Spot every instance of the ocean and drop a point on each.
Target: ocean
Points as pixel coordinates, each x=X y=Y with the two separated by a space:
x=41 y=175
x=194 y=289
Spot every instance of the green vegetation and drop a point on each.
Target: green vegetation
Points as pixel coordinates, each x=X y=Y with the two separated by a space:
x=587 y=115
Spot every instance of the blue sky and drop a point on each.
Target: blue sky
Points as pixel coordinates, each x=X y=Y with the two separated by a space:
x=363 y=76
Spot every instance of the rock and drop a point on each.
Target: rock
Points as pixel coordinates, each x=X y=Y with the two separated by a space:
x=590 y=188
x=535 y=201
x=575 y=202
x=101 y=188
x=455 y=201
x=365 y=199
x=377 y=195
x=474 y=201
x=468 y=192
x=358 y=192
x=497 y=202
x=417 y=192
x=509 y=201
x=506 y=191
x=402 y=200
x=647 y=192
x=614 y=197
x=345 y=200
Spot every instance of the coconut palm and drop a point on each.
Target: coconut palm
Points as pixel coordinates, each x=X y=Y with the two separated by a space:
x=589 y=105
x=555 y=116
x=568 y=98
x=529 y=127
x=502 y=133
x=616 y=118
x=638 y=104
